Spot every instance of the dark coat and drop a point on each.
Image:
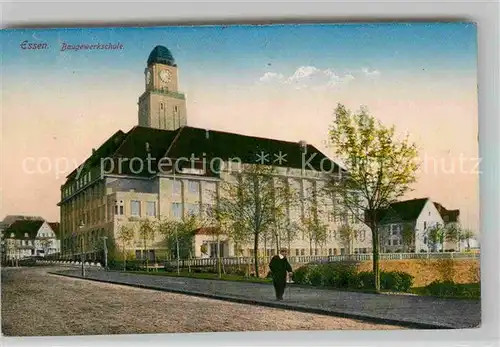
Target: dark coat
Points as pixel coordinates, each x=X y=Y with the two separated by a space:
x=279 y=267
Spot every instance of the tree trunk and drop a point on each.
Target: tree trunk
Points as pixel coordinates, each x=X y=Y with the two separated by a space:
x=376 y=244
x=124 y=259
x=219 y=268
x=255 y=254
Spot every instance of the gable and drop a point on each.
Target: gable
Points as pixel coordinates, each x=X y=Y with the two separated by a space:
x=45 y=231
x=431 y=214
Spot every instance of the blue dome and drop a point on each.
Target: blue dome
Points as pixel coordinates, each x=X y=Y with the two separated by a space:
x=161 y=55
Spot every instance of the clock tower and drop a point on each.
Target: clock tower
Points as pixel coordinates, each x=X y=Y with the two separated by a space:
x=161 y=105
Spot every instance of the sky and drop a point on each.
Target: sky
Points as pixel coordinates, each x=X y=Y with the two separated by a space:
x=280 y=81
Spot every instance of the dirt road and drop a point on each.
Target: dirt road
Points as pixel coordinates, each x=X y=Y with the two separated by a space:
x=35 y=303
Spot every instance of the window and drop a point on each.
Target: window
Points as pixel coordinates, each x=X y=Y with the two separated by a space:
x=297 y=251
x=352 y=218
x=194 y=187
x=151 y=208
x=425 y=239
x=176 y=108
x=135 y=208
x=177 y=187
x=302 y=251
x=330 y=251
x=119 y=208
x=425 y=225
x=193 y=209
x=161 y=106
x=176 y=210
x=331 y=217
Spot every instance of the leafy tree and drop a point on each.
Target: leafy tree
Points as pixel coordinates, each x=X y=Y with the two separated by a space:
x=466 y=235
x=146 y=233
x=179 y=235
x=452 y=233
x=345 y=235
x=408 y=236
x=251 y=203
x=436 y=235
x=126 y=235
x=313 y=227
x=379 y=169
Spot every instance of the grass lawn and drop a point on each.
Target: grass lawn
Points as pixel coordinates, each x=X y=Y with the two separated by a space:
x=469 y=291
x=456 y=291
x=206 y=276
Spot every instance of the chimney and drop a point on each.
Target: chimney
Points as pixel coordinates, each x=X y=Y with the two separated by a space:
x=303 y=145
x=93 y=151
x=148 y=147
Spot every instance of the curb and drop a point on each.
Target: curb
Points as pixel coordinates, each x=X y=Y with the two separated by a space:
x=378 y=320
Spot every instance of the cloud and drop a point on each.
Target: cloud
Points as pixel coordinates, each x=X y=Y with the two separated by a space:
x=312 y=77
x=369 y=73
x=304 y=72
x=271 y=76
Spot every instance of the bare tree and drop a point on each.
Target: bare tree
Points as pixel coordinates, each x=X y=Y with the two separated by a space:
x=252 y=203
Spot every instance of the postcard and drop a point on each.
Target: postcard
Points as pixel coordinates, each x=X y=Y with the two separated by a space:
x=240 y=178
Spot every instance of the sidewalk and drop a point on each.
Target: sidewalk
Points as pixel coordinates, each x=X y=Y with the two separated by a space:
x=410 y=311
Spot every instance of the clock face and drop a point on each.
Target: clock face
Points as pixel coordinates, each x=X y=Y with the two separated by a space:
x=148 y=77
x=165 y=76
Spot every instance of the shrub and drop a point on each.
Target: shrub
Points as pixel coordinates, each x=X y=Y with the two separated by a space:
x=451 y=289
x=345 y=276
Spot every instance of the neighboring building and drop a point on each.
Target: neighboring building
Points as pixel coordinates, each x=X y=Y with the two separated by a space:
x=7 y=222
x=419 y=216
x=148 y=173
x=29 y=238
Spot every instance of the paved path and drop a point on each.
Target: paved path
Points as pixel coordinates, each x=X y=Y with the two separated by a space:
x=412 y=311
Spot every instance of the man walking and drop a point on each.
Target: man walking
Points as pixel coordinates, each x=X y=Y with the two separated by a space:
x=279 y=267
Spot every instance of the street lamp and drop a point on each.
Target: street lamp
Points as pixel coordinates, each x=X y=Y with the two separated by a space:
x=104 y=238
x=82 y=247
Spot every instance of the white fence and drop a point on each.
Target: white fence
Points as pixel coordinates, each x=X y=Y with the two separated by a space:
x=68 y=263
x=201 y=262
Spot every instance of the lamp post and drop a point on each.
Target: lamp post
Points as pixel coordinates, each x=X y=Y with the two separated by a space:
x=104 y=238
x=82 y=248
x=177 y=246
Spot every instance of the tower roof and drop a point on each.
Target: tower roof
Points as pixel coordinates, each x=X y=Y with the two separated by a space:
x=161 y=55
